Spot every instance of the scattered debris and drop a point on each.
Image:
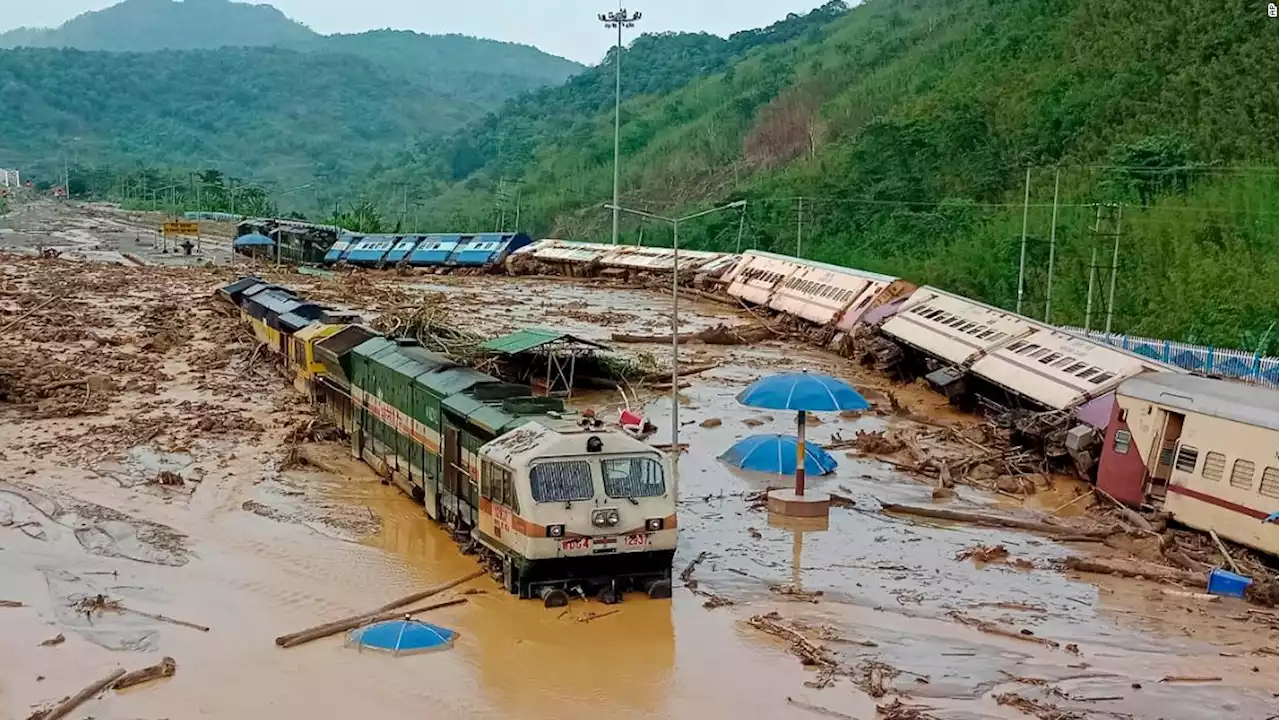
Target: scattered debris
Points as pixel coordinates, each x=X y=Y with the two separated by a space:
x=168 y=478
x=994 y=629
x=65 y=707
x=163 y=669
x=55 y=640
x=796 y=593
x=1191 y=678
x=992 y=520
x=984 y=553
x=589 y=616
x=898 y=710
x=710 y=423
x=383 y=612
x=819 y=710
x=686 y=575
x=11 y=604
x=1136 y=569
x=1042 y=710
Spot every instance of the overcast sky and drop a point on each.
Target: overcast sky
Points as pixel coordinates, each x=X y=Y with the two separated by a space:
x=563 y=27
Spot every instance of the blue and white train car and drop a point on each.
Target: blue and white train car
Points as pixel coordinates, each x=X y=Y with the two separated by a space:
x=402 y=248
x=434 y=250
x=370 y=251
x=338 y=251
x=487 y=249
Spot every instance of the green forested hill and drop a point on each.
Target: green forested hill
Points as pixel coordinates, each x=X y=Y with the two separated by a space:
x=241 y=85
x=908 y=127
x=260 y=113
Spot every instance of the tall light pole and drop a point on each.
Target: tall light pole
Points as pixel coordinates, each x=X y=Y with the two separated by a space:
x=675 y=310
x=619 y=20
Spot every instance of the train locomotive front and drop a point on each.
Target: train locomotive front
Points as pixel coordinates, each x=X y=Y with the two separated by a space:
x=577 y=508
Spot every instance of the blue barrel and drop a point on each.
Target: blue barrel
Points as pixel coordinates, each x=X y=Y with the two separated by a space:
x=1222 y=582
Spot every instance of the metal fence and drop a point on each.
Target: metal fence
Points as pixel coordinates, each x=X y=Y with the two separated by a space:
x=1217 y=362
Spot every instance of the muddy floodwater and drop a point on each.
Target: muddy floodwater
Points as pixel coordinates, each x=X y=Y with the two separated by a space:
x=254 y=547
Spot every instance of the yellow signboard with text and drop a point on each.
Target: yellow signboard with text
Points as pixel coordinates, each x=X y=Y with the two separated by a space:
x=181 y=229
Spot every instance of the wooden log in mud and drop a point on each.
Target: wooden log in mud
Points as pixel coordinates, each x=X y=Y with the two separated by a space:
x=992 y=520
x=164 y=618
x=163 y=669
x=346 y=623
x=718 y=335
x=1136 y=568
x=65 y=707
x=352 y=623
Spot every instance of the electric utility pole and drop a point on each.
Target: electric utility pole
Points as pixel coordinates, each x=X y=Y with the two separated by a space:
x=617 y=20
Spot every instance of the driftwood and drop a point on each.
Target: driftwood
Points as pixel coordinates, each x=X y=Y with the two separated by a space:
x=163 y=669
x=991 y=520
x=164 y=618
x=11 y=603
x=1136 y=568
x=65 y=707
x=682 y=372
x=686 y=575
x=356 y=620
x=809 y=652
x=994 y=629
x=30 y=312
x=718 y=335
x=1130 y=516
x=1222 y=548
x=1190 y=678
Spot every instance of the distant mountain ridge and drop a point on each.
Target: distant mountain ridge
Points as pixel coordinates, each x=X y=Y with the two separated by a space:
x=472 y=69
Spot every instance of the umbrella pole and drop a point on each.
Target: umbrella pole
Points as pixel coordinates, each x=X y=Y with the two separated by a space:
x=800 y=425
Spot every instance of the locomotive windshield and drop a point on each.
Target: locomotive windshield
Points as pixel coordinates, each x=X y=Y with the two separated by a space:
x=632 y=477
x=561 y=481
x=572 y=480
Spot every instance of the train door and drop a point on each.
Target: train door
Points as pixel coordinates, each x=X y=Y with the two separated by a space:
x=452 y=453
x=1161 y=462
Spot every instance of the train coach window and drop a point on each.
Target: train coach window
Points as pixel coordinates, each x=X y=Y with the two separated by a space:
x=1075 y=368
x=561 y=481
x=1099 y=379
x=1028 y=348
x=1051 y=357
x=1039 y=353
x=1121 y=442
x=1065 y=361
x=1187 y=457
x=1016 y=346
x=633 y=477
x=1086 y=374
x=1270 y=483
x=1214 y=464
x=1242 y=474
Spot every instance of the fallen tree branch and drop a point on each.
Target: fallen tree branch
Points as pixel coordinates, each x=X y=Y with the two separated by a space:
x=63 y=708
x=356 y=620
x=163 y=669
x=30 y=312
x=1222 y=548
x=686 y=575
x=335 y=628
x=1130 y=516
x=164 y=618
x=1136 y=568
x=991 y=520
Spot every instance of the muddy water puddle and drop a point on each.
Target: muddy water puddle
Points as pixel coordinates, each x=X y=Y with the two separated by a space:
x=268 y=551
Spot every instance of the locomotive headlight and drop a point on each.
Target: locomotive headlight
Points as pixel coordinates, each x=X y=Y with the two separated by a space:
x=653 y=524
x=605 y=518
x=555 y=531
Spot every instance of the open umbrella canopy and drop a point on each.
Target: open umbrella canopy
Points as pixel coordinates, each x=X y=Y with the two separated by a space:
x=253 y=240
x=777 y=454
x=402 y=636
x=802 y=391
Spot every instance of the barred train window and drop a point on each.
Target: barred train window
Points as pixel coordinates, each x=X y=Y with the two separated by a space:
x=1187 y=457
x=563 y=481
x=1121 y=442
x=1242 y=474
x=1214 y=464
x=633 y=477
x=1270 y=483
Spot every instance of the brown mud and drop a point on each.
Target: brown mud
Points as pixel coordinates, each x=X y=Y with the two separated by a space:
x=255 y=542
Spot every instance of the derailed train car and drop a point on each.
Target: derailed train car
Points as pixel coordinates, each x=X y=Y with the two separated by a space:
x=482 y=250
x=554 y=505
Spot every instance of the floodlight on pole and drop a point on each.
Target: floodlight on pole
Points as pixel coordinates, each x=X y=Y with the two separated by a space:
x=617 y=20
x=675 y=308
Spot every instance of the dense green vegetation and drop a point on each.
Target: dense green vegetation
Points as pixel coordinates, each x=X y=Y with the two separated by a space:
x=242 y=87
x=472 y=70
x=260 y=112
x=908 y=126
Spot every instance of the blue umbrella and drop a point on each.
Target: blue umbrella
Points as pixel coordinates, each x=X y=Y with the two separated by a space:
x=802 y=391
x=402 y=636
x=777 y=454
x=253 y=240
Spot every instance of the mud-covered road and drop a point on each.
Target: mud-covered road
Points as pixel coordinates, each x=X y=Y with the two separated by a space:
x=121 y=376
